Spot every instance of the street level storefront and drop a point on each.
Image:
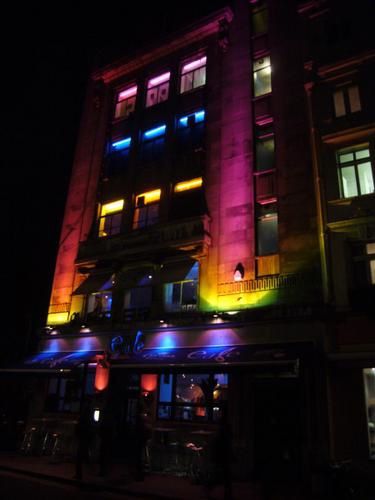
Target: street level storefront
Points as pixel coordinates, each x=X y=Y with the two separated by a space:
x=185 y=383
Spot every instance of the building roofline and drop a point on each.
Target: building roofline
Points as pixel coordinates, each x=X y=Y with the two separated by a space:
x=194 y=32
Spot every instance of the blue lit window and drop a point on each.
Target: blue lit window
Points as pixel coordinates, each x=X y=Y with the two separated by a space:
x=182 y=295
x=190 y=131
x=118 y=158
x=153 y=141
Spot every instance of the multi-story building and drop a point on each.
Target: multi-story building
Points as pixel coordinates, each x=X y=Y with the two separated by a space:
x=217 y=250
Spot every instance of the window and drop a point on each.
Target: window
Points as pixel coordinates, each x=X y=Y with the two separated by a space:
x=346 y=100
x=364 y=264
x=138 y=300
x=99 y=305
x=182 y=295
x=267 y=229
x=118 y=158
x=63 y=394
x=146 y=209
x=369 y=383
x=110 y=218
x=157 y=89
x=264 y=150
x=193 y=74
x=188 y=199
x=259 y=20
x=190 y=130
x=125 y=102
x=192 y=397
x=262 y=76
x=355 y=171
x=188 y=185
x=153 y=141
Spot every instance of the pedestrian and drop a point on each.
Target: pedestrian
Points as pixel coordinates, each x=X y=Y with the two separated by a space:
x=84 y=433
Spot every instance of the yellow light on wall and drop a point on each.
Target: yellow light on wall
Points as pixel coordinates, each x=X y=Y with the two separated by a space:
x=186 y=185
x=57 y=318
x=149 y=197
x=110 y=208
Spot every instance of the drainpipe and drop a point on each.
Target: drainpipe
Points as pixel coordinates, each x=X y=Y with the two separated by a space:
x=320 y=199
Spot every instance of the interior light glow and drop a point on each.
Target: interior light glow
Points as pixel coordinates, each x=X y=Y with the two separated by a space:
x=186 y=185
x=194 y=64
x=123 y=144
x=96 y=415
x=149 y=197
x=199 y=116
x=110 y=208
x=154 y=132
x=125 y=94
x=158 y=80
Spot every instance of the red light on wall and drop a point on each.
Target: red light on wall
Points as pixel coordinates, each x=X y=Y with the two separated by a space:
x=101 y=374
x=149 y=382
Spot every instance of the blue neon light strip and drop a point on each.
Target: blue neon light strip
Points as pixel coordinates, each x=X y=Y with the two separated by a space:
x=154 y=132
x=199 y=116
x=123 y=144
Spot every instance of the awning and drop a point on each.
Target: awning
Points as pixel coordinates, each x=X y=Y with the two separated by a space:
x=223 y=356
x=176 y=271
x=53 y=362
x=95 y=283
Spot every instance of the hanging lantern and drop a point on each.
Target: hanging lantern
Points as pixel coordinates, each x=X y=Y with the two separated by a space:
x=101 y=373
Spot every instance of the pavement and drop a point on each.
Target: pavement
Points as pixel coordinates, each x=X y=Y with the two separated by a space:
x=119 y=481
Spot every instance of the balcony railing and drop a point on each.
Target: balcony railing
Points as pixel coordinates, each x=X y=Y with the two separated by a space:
x=281 y=281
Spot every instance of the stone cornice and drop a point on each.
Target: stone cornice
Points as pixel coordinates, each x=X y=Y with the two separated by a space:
x=194 y=33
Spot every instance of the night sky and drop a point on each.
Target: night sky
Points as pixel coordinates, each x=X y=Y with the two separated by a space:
x=46 y=66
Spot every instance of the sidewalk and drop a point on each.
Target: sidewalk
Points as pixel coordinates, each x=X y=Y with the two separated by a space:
x=154 y=486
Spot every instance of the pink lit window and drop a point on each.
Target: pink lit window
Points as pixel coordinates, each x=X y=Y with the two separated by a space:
x=193 y=74
x=125 y=103
x=157 y=89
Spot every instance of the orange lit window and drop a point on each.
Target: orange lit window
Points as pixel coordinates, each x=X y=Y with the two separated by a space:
x=146 y=210
x=187 y=185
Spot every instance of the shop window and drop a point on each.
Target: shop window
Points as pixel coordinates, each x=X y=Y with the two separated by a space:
x=262 y=76
x=125 y=102
x=346 y=100
x=110 y=218
x=157 y=89
x=267 y=229
x=259 y=20
x=64 y=394
x=182 y=295
x=264 y=150
x=369 y=383
x=355 y=171
x=192 y=397
x=146 y=210
x=193 y=74
x=118 y=159
x=153 y=142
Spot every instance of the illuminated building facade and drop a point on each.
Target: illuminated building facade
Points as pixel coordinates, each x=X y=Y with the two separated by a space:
x=217 y=250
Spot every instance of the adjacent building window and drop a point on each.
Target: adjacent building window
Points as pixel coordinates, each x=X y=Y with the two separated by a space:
x=157 y=89
x=146 y=210
x=264 y=150
x=369 y=383
x=262 y=76
x=192 y=397
x=125 y=102
x=182 y=295
x=153 y=141
x=355 y=171
x=346 y=100
x=110 y=218
x=193 y=74
x=259 y=20
x=267 y=229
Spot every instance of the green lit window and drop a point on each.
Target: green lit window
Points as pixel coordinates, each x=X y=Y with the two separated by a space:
x=262 y=76
x=355 y=171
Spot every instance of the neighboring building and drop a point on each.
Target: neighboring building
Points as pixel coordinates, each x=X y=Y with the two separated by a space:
x=217 y=251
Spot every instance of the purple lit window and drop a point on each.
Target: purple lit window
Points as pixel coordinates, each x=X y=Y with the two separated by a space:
x=193 y=74
x=157 y=89
x=125 y=103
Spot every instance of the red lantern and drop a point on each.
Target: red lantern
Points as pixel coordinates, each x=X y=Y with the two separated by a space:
x=101 y=373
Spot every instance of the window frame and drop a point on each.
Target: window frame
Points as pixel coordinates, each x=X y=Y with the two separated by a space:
x=146 y=207
x=340 y=165
x=110 y=216
x=348 y=102
x=194 y=71
x=154 y=86
x=119 y=103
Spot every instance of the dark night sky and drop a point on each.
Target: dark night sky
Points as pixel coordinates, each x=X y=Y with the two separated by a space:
x=45 y=79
